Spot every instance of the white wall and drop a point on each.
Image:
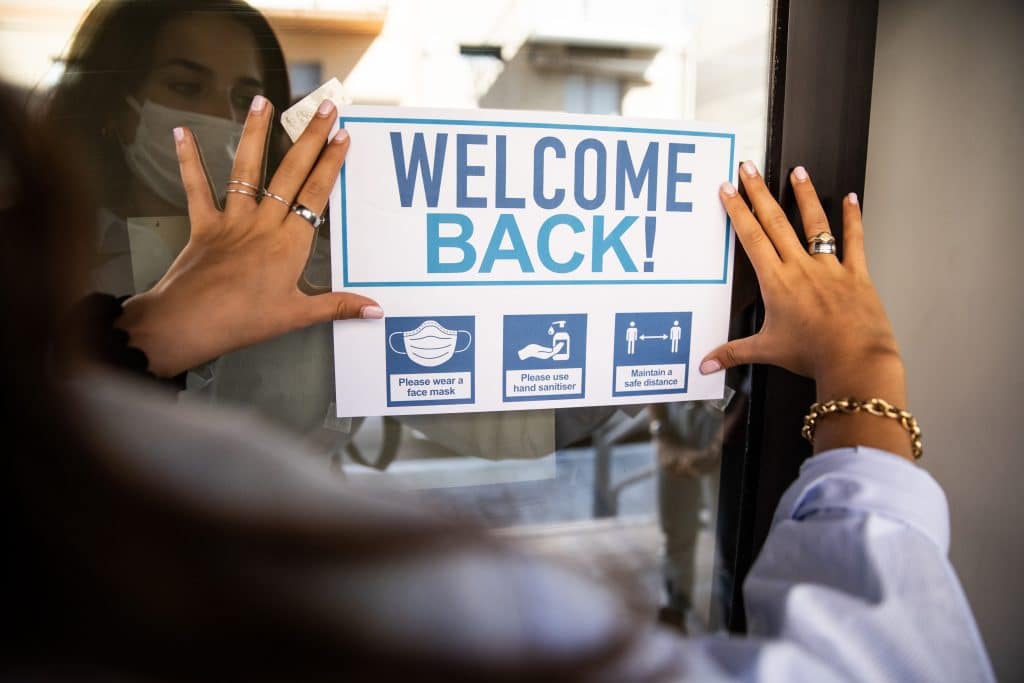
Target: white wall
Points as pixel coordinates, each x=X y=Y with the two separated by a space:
x=945 y=231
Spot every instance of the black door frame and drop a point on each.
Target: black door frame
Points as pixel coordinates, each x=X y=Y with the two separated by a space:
x=819 y=106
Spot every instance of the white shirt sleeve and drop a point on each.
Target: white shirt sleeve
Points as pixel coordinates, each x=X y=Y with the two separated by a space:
x=853 y=582
x=854 y=577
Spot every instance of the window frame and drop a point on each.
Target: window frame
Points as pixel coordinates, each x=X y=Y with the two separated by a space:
x=819 y=102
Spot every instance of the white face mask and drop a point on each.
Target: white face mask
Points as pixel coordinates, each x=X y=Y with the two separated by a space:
x=430 y=344
x=154 y=161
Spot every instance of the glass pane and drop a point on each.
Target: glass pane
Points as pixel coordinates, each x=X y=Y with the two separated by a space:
x=591 y=484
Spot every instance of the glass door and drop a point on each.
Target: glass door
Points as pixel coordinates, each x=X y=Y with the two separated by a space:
x=643 y=489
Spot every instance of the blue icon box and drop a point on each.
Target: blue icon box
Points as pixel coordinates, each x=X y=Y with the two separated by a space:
x=544 y=357
x=430 y=360
x=652 y=352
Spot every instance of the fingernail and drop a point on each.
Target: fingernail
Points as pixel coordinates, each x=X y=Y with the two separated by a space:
x=800 y=173
x=709 y=366
x=727 y=189
x=325 y=108
x=749 y=169
x=340 y=137
x=179 y=134
x=852 y=198
x=371 y=312
x=259 y=103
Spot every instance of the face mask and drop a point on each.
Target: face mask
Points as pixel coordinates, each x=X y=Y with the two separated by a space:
x=430 y=345
x=154 y=161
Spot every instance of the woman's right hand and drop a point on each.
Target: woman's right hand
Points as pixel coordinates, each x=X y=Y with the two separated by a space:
x=236 y=281
x=823 y=317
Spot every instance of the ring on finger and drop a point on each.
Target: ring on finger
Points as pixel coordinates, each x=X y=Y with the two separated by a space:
x=247 y=193
x=307 y=214
x=276 y=197
x=235 y=181
x=822 y=243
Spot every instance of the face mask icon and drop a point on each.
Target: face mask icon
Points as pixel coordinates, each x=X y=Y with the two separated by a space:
x=430 y=344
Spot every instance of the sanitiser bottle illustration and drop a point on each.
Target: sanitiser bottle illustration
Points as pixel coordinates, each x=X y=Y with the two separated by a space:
x=559 y=337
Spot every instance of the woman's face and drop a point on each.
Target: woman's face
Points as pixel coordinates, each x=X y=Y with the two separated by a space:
x=202 y=63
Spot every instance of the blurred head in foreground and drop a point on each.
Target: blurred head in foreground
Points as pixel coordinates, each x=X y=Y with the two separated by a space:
x=148 y=541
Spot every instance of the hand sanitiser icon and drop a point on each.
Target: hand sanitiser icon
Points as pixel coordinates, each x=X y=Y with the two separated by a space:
x=558 y=350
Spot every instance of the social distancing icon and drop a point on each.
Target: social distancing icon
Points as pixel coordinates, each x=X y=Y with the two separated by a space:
x=652 y=352
x=633 y=334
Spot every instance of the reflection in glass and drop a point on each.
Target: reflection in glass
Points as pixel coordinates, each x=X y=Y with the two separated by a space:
x=590 y=483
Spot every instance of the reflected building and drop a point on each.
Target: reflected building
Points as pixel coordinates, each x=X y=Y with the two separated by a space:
x=678 y=59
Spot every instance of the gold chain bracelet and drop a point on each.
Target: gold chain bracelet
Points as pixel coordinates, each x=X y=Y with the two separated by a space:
x=874 y=406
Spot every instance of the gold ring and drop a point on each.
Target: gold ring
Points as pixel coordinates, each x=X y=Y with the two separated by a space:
x=822 y=243
x=267 y=193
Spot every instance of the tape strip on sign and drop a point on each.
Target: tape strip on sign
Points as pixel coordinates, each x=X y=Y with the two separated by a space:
x=534 y=230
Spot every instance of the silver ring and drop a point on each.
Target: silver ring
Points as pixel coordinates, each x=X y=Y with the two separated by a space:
x=234 y=181
x=822 y=243
x=307 y=214
x=276 y=197
x=245 y=192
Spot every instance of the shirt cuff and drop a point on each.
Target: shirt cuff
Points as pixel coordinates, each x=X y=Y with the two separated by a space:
x=868 y=481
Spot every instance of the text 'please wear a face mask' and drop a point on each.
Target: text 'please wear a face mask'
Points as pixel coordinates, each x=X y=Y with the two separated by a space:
x=152 y=156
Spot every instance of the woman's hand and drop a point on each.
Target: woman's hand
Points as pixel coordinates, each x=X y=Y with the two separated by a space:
x=823 y=317
x=236 y=281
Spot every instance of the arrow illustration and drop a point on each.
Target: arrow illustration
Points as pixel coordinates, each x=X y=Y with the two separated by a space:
x=645 y=337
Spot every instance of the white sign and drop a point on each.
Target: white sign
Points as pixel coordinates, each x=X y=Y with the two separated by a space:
x=529 y=260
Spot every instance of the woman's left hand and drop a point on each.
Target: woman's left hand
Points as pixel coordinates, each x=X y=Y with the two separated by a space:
x=236 y=281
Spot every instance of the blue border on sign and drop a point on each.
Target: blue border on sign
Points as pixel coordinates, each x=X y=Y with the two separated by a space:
x=346 y=282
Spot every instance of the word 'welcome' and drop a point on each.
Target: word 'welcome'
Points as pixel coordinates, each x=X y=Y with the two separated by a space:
x=602 y=176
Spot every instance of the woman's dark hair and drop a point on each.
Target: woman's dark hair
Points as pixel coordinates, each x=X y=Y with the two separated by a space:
x=110 y=56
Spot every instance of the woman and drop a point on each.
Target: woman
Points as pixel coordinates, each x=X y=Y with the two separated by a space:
x=150 y=540
x=135 y=70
